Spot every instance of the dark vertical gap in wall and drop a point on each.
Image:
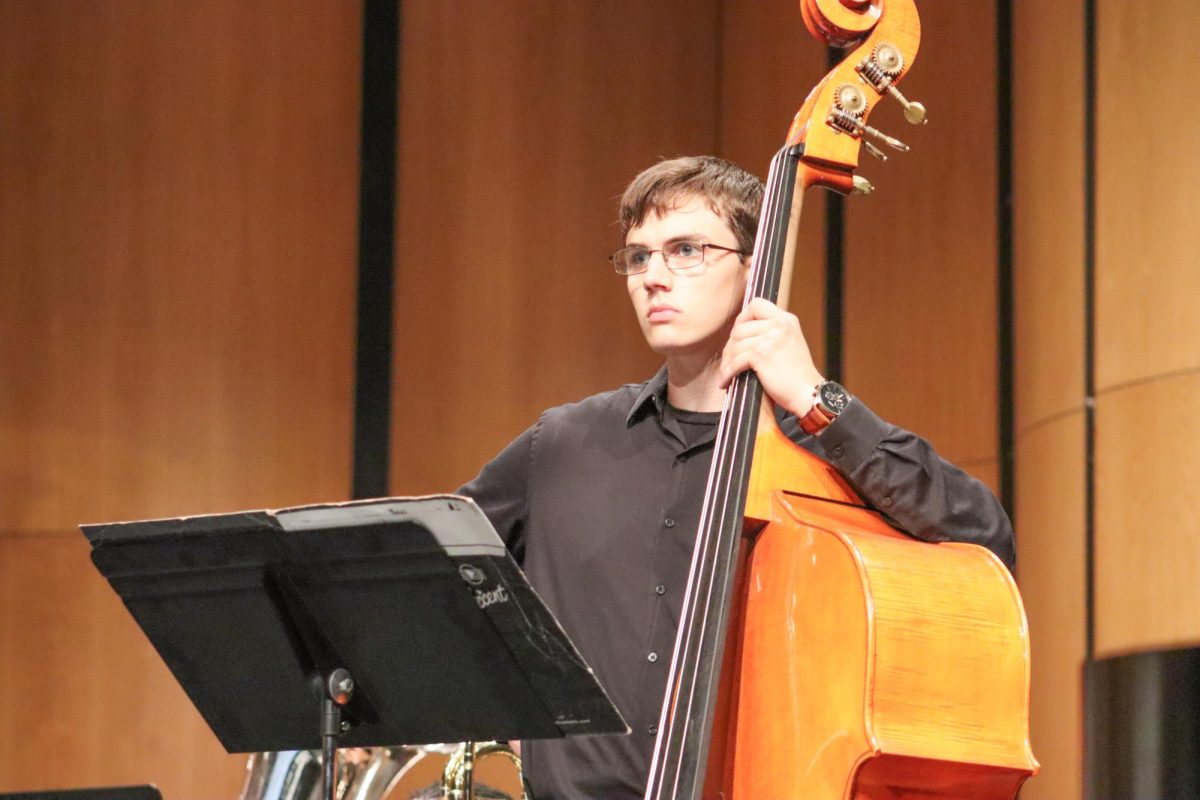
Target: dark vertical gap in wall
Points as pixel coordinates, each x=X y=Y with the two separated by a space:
x=376 y=236
x=1004 y=255
x=1089 y=319
x=835 y=239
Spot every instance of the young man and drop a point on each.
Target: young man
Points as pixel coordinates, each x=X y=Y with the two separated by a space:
x=600 y=500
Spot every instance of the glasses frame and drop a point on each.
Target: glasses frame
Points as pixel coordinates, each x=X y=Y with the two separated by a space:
x=704 y=248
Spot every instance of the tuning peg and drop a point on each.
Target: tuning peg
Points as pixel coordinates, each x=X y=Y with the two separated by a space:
x=913 y=112
x=890 y=141
x=881 y=69
x=862 y=185
x=875 y=151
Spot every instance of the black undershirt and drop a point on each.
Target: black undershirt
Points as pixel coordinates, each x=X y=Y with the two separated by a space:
x=695 y=425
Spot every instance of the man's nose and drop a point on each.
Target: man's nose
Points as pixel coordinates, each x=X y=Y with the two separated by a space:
x=657 y=273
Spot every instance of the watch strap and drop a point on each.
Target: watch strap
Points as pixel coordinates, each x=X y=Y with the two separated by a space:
x=816 y=420
x=820 y=415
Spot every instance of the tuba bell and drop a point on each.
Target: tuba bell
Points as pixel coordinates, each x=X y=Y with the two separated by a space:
x=380 y=773
x=296 y=774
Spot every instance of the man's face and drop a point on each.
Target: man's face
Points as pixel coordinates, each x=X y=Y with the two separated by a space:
x=688 y=312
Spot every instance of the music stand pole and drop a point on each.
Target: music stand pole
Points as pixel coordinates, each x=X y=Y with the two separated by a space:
x=337 y=689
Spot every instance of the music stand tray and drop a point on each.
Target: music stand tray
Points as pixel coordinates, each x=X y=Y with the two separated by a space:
x=417 y=598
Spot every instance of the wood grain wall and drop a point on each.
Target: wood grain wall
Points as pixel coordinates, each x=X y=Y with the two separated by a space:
x=177 y=241
x=1145 y=359
x=1147 y=331
x=1048 y=256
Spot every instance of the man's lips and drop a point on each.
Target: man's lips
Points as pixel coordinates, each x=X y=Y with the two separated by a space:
x=661 y=313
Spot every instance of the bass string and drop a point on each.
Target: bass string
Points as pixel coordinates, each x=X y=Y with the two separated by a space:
x=745 y=394
x=714 y=540
x=736 y=456
x=741 y=400
x=716 y=489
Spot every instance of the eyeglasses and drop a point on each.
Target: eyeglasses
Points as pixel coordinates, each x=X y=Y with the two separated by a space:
x=678 y=256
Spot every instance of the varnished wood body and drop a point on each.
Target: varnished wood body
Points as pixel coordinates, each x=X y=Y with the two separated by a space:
x=870 y=665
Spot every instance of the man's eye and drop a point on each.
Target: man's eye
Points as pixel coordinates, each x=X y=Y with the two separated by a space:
x=685 y=249
x=638 y=257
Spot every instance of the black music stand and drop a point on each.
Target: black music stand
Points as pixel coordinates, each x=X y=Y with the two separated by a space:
x=379 y=622
x=114 y=793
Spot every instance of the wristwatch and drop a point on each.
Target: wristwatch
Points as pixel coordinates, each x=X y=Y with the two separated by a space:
x=829 y=400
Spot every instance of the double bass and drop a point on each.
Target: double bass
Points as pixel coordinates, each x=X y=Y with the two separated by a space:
x=821 y=654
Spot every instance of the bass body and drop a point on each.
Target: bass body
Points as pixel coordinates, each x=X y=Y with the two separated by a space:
x=864 y=664
x=821 y=655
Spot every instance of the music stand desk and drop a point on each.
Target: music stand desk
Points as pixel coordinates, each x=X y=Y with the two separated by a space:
x=416 y=597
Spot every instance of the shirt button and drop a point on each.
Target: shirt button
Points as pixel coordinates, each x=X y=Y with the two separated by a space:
x=652 y=730
x=652 y=657
x=887 y=501
x=660 y=589
x=837 y=451
x=669 y=522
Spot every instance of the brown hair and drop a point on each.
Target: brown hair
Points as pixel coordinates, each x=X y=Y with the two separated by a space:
x=732 y=193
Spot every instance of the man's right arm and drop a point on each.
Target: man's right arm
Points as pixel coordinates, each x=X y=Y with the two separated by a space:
x=501 y=489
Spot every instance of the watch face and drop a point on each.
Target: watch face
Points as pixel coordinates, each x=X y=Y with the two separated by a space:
x=833 y=397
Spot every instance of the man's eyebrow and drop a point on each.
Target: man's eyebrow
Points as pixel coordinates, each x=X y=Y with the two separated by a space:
x=682 y=237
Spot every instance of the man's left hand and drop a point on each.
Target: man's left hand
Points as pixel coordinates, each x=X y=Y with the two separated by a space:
x=769 y=340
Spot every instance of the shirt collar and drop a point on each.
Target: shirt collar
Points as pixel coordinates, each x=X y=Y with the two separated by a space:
x=653 y=395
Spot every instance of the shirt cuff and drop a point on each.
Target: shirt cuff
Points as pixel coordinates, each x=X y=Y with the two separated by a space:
x=851 y=438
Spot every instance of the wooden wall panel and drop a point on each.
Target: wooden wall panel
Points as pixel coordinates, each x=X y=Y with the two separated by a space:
x=1147 y=331
x=177 y=243
x=759 y=97
x=921 y=251
x=1049 y=361
x=521 y=123
x=1147 y=238
x=177 y=295
x=1051 y=566
x=88 y=702
x=1048 y=205
x=1147 y=516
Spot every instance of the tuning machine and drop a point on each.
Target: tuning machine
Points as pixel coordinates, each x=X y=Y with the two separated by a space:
x=849 y=108
x=880 y=69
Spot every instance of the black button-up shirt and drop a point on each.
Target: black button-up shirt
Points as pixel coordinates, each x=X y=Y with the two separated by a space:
x=600 y=501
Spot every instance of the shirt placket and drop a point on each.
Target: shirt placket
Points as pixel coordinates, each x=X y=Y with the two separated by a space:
x=674 y=537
